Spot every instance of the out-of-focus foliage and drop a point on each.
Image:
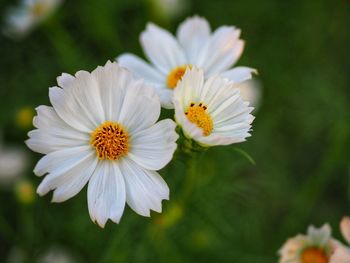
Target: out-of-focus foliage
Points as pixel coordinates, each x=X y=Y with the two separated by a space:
x=234 y=211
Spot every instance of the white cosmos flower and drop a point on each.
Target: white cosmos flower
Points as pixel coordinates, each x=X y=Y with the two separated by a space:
x=194 y=45
x=211 y=112
x=102 y=131
x=251 y=90
x=22 y=19
x=317 y=246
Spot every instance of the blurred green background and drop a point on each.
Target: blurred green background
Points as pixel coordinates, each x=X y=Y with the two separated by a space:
x=236 y=211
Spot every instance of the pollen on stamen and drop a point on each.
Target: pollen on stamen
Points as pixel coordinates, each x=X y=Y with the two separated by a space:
x=314 y=255
x=197 y=114
x=38 y=9
x=110 y=141
x=175 y=75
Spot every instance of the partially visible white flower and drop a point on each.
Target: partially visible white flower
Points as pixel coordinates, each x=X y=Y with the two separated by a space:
x=211 y=112
x=102 y=131
x=169 y=8
x=342 y=252
x=251 y=90
x=194 y=45
x=56 y=254
x=317 y=246
x=22 y=19
x=13 y=162
x=345 y=228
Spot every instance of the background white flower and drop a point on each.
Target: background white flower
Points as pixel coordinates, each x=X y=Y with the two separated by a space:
x=101 y=129
x=13 y=163
x=251 y=90
x=211 y=112
x=22 y=19
x=194 y=45
x=317 y=246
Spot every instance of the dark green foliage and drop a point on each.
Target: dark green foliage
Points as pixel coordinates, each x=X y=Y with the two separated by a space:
x=233 y=211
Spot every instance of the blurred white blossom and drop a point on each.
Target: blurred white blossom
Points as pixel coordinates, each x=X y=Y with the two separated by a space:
x=20 y=20
x=13 y=162
x=56 y=255
x=251 y=90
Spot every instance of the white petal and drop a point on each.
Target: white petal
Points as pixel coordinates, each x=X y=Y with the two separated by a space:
x=65 y=80
x=141 y=107
x=65 y=168
x=345 y=228
x=166 y=97
x=193 y=35
x=145 y=189
x=320 y=236
x=69 y=110
x=78 y=178
x=87 y=93
x=161 y=48
x=140 y=68
x=106 y=193
x=63 y=159
x=239 y=74
x=113 y=82
x=154 y=147
x=222 y=51
x=53 y=133
x=189 y=88
x=341 y=254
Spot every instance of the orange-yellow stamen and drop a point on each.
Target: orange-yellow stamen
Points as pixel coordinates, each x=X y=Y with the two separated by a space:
x=314 y=255
x=38 y=9
x=198 y=115
x=175 y=75
x=110 y=141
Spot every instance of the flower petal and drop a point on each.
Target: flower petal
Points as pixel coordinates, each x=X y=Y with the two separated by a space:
x=345 y=228
x=113 y=82
x=154 y=147
x=161 y=48
x=239 y=74
x=141 y=107
x=77 y=179
x=65 y=80
x=62 y=160
x=145 y=189
x=193 y=34
x=106 y=193
x=320 y=236
x=53 y=133
x=62 y=166
x=140 y=68
x=222 y=51
x=69 y=110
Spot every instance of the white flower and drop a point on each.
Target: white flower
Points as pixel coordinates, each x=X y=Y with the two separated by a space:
x=194 y=45
x=317 y=246
x=251 y=90
x=22 y=19
x=211 y=112
x=101 y=129
x=13 y=162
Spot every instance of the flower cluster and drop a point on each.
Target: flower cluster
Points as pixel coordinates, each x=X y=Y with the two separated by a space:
x=317 y=246
x=103 y=128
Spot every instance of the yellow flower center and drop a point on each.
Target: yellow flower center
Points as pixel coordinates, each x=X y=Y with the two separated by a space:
x=175 y=75
x=110 y=141
x=38 y=9
x=198 y=115
x=314 y=255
